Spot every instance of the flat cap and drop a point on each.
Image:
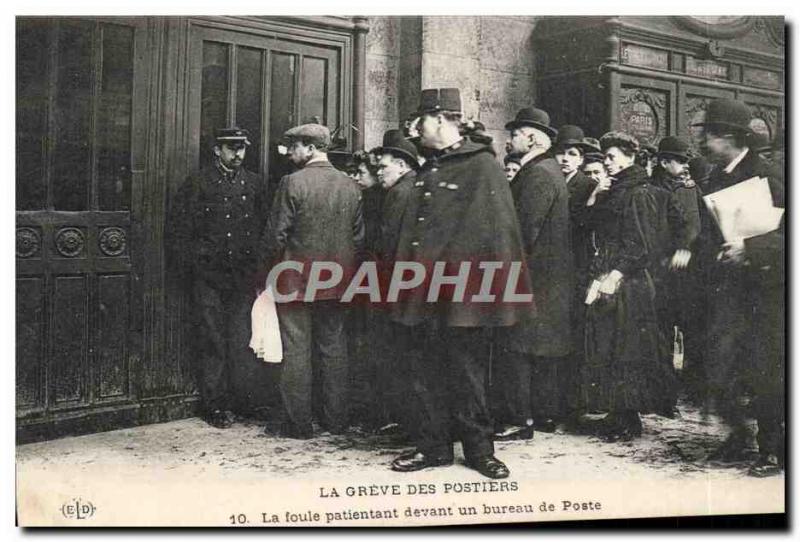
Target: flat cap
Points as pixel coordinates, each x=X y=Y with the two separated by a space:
x=313 y=134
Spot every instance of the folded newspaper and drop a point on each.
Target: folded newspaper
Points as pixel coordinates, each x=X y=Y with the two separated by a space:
x=265 y=339
x=745 y=209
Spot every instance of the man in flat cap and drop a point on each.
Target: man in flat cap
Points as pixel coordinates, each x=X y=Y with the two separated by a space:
x=316 y=220
x=745 y=281
x=217 y=219
x=533 y=370
x=461 y=212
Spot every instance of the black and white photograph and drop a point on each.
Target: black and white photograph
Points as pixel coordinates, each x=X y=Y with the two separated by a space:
x=398 y=270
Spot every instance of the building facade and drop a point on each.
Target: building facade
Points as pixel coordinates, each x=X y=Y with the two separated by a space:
x=113 y=113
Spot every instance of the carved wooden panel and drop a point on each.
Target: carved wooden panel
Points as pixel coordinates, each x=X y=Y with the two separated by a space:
x=30 y=338
x=644 y=113
x=69 y=339
x=111 y=356
x=766 y=119
x=694 y=112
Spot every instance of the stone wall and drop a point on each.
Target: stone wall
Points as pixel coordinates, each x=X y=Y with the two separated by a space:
x=491 y=59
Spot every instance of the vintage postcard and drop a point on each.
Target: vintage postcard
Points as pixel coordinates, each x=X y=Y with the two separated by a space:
x=418 y=270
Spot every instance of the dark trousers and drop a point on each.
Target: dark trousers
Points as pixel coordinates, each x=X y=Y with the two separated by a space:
x=532 y=387
x=376 y=373
x=746 y=355
x=314 y=331
x=222 y=339
x=447 y=372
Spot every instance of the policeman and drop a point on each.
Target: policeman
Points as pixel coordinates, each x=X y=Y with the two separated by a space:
x=218 y=217
x=461 y=210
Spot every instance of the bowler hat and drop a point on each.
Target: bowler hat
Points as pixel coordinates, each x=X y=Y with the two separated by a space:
x=395 y=143
x=435 y=100
x=672 y=146
x=572 y=136
x=535 y=118
x=591 y=145
x=727 y=113
x=232 y=135
x=312 y=134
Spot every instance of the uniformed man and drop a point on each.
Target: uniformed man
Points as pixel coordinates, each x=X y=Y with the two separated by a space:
x=534 y=371
x=218 y=219
x=461 y=211
x=745 y=280
x=316 y=217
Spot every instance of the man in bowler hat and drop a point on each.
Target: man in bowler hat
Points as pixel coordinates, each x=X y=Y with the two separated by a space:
x=316 y=217
x=461 y=210
x=532 y=368
x=745 y=281
x=218 y=217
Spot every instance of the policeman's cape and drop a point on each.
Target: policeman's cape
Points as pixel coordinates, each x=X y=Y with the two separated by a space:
x=265 y=338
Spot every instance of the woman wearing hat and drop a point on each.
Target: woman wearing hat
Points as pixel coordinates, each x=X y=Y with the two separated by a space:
x=625 y=372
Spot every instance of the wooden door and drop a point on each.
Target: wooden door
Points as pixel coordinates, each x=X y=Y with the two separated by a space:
x=79 y=165
x=263 y=84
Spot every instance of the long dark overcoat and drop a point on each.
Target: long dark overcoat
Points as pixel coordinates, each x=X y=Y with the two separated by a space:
x=395 y=203
x=462 y=211
x=541 y=201
x=580 y=187
x=625 y=363
x=746 y=303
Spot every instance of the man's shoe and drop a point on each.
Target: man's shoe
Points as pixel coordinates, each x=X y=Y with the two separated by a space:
x=414 y=461
x=294 y=431
x=734 y=449
x=545 y=426
x=514 y=432
x=765 y=466
x=221 y=419
x=489 y=466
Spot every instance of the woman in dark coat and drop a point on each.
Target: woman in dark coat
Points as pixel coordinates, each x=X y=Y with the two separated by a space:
x=626 y=372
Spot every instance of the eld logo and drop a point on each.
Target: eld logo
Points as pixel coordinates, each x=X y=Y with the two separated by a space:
x=78 y=509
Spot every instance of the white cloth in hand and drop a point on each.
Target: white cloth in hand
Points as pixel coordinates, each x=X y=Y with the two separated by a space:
x=265 y=338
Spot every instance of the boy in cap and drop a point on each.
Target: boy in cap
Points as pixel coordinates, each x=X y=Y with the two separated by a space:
x=218 y=219
x=511 y=166
x=316 y=217
x=745 y=279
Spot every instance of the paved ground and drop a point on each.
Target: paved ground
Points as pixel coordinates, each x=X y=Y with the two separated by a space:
x=669 y=449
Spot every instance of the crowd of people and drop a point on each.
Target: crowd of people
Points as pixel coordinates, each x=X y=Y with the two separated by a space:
x=637 y=298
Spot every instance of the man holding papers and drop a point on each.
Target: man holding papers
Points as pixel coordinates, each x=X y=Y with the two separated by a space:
x=743 y=254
